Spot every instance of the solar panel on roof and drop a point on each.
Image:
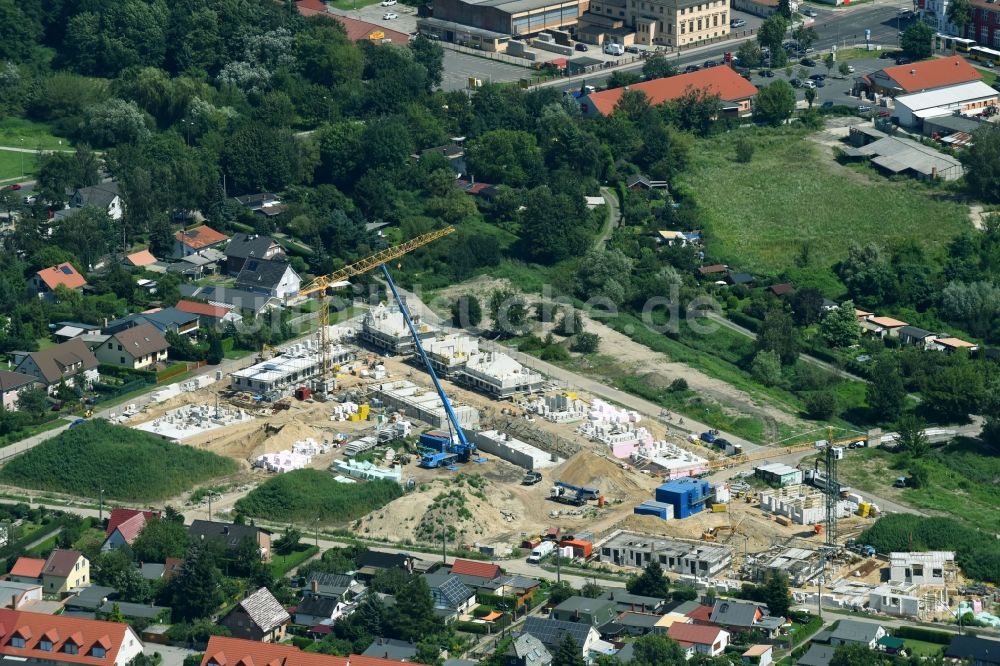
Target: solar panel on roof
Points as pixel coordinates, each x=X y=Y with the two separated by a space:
x=66 y=270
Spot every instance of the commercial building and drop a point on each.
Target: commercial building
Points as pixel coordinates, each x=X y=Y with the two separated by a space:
x=778 y=474
x=672 y=23
x=968 y=99
x=735 y=92
x=921 y=76
x=385 y=329
x=297 y=365
x=518 y=18
x=694 y=558
x=762 y=8
x=934 y=567
x=417 y=402
x=499 y=375
x=687 y=496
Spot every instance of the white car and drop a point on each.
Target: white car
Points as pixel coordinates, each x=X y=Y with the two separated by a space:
x=388 y=16
x=850 y=69
x=614 y=49
x=808 y=83
x=388 y=3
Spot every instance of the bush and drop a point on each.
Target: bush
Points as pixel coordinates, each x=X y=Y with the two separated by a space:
x=744 y=150
x=471 y=627
x=821 y=405
x=307 y=494
x=924 y=634
x=586 y=343
x=679 y=385
x=127 y=464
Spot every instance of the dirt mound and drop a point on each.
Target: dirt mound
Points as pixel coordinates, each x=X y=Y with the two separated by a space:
x=587 y=469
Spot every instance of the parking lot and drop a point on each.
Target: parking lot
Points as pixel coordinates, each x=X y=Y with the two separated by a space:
x=836 y=88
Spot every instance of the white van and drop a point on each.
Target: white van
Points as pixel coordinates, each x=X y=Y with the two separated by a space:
x=614 y=49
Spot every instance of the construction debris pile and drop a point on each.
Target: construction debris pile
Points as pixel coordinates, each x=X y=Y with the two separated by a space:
x=300 y=457
x=562 y=408
x=803 y=505
x=193 y=420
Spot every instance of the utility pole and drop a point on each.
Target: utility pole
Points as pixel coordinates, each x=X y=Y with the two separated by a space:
x=100 y=510
x=444 y=548
x=316 y=531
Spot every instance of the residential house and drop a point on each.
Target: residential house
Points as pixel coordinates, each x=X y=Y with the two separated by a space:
x=210 y=315
x=124 y=526
x=974 y=650
x=477 y=575
x=152 y=570
x=853 y=632
x=67 y=330
x=734 y=278
x=699 y=638
x=270 y=278
x=63 y=362
x=817 y=655
x=733 y=90
x=639 y=181
x=250 y=246
x=37 y=638
x=782 y=290
x=231 y=536
x=19 y=595
x=631 y=623
x=190 y=241
x=896 y=598
x=225 y=651
x=595 y=612
x=140 y=259
x=313 y=611
x=714 y=271
x=97 y=602
x=244 y=303
x=737 y=616
x=921 y=76
x=341 y=587
x=372 y=561
x=45 y=281
x=391 y=649
x=911 y=335
x=758 y=655
x=526 y=650
x=166 y=320
x=139 y=348
x=626 y=601
x=103 y=195
x=952 y=345
x=551 y=632
x=451 y=597
x=262 y=203
x=882 y=326
x=922 y=568
x=27 y=570
x=11 y=385
x=65 y=570
x=453 y=153
x=259 y=617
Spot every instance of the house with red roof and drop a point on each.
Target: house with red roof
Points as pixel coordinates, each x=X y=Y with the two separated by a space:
x=45 y=281
x=124 y=526
x=26 y=570
x=477 y=574
x=140 y=259
x=921 y=76
x=735 y=92
x=209 y=315
x=699 y=638
x=37 y=638
x=225 y=651
x=191 y=241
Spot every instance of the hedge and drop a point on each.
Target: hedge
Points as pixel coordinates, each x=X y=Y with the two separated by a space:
x=924 y=634
x=471 y=627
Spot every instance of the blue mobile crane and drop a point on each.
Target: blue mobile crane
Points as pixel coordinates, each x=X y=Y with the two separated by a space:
x=438 y=449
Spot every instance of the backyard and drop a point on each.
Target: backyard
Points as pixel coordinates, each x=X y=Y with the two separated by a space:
x=760 y=215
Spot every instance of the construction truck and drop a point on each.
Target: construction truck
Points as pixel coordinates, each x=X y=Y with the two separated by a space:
x=441 y=449
x=567 y=493
x=531 y=478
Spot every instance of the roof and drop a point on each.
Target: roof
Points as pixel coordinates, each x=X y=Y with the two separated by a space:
x=141 y=258
x=628 y=601
x=202 y=309
x=244 y=246
x=264 y=610
x=888 y=322
x=891 y=642
x=391 y=648
x=328 y=583
x=61 y=275
x=551 y=632
x=818 y=655
x=379 y=560
x=152 y=570
x=57 y=361
x=358 y=30
x=452 y=592
x=472 y=568
x=634 y=619
x=91 y=598
x=317 y=606
x=698 y=634
x=237 y=299
x=530 y=649
x=956 y=343
x=782 y=289
x=722 y=81
x=27 y=567
x=734 y=613
x=714 y=268
x=757 y=650
x=934 y=73
x=100 y=195
x=262 y=274
x=85 y=634
x=199 y=237
x=130 y=528
x=584 y=605
x=141 y=340
x=231 y=535
x=224 y=651
x=10 y=381
x=119 y=516
x=899 y=154
x=61 y=562
x=981 y=650
x=944 y=96
x=914 y=332
x=852 y=631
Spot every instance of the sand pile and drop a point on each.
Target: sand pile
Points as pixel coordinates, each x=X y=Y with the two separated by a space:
x=587 y=469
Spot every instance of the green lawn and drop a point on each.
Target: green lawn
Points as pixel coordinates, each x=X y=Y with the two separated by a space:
x=21 y=133
x=14 y=165
x=759 y=215
x=923 y=648
x=989 y=75
x=282 y=564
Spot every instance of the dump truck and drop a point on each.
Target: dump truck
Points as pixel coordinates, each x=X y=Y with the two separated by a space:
x=531 y=478
x=567 y=493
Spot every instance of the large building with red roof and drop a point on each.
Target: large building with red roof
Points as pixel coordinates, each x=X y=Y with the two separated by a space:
x=58 y=639
x=735 y=92
x=356 y=30
x=224 y=651
x=921 y=76
x=65 y=275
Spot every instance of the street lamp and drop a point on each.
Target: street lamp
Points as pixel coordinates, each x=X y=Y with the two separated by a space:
x=21 y=154
x=316 y=531
x=100 y=509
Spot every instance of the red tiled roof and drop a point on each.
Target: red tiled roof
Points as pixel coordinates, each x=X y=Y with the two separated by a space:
x=141 y=258
x=358 y=30
x=471 y=568
x=935 y=73
x=85 y=634
x=698 y=634
x=28 y=567
x=62 y=275
x=701 y=614
x=119 y=516
x=201 y=309
x=130 y=528
x=222 y=651
x=311 y=7
x=200 y=237
x=721 y=81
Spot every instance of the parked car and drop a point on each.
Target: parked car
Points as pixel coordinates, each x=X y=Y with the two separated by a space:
x=850 y=69
x=903 y=60
x=15 y=187
x=580 y=46
x=808 y=62
x=691 y=68
x=767 y=73
x=614 y=49
x=826 y=105
x=632 y=48
x=817 y=77
x=388 y=3
x=820 y=83
x=796 y=83
x=76 y=423
x=737 y=23
x=811 y=13
x=388 y=16
x=710 y=63
x=808 y=83
x=864 y=108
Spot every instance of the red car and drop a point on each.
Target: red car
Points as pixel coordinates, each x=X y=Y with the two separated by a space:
x=15 y=186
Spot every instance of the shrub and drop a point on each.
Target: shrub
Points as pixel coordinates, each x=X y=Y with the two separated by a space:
x=744 y=150
x=679 y=385
x=307 y=494
x=821 y=405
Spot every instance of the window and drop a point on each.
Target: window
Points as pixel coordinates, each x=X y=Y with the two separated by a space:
x=45 y=645
x=996 y=39
x=71 y=648
x=98 y=651
x=699 y=24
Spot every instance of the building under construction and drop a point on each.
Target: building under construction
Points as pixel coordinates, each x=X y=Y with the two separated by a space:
x=801 y=565
x=499 y=376
x=384 y=328
x=693 y=558
x=449 y=354
x=424 y=405
x=297 y=365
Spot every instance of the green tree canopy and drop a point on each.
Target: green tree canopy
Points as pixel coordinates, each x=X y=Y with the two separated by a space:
x=916 y=41
x=775 y=102
x=650 y=583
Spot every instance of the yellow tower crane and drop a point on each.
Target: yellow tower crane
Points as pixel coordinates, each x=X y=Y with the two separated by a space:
x=320 y=285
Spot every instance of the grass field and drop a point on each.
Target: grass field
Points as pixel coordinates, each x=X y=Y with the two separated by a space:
x=14 y=164
x=21 y=133
x=759 y=215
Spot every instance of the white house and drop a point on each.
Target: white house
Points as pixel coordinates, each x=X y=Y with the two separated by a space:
x=271 y=278
x=699 y=638
x=139 y=347
x=853 y=632
x=104 y=196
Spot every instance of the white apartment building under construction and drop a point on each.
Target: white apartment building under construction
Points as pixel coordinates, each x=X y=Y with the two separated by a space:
x=385 y=329
x=499 y=375
x=297 y=365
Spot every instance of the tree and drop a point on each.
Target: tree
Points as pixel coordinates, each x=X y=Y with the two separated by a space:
x=650 y=583
x=776 y=595
x=916 y=41
x=560 y=592
x=586 y=343
x=114 y=121
x=785 y=9
x=839 y=327
x=288 y=541
x=196 y=590
x=975 y=306
x=160 y=539
x=959 y=14
x=744 y=150
x=568 y=653
x=216 y=353
x=854 y=654
x=413 y=616
x=821 y=405
x=807 y=306
x=810 y=96
x=775 y=102
x=633 y=104
x=829 y=60
x=749 y=54
x=954 y=392
x=885 y=392
x=766 y=368
x=466 y=312
x=806 y=36
x=911 y=437
x=508 y=311
x=657 y=66
x=510 y=157
x=777 y=334
x=591 y=590
x=430 y=54
x=657 y=650
x=844 y=68
x=772 y=33
x=868 y=275
x=34 y=401
x=982 y=163
x=116 y=614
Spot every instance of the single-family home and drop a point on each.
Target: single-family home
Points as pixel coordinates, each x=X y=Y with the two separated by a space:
x=270 y=278
x=140 y=259
x=210 y=315
x=45 y=281
x=391 y=649
x=715 y=271
x=639 y=181
x=225 y=651
x=372 y=561
x=250 y=246
x=139 y=348
x=853 y=632
x=259 y=617
x=231 y=536
x=952 y=345
x=11 y=385
x=164 y=320
x=312 y=611
x=476 y=575
x=758 y=655
x=190 y=241
x=699 y=638
x=453 y=153
x=595 y=612
x=124 y=526
x=911 y=335
x=526 y=650
x=974 y=650
x=882 y=326
x=631 y=623
x=817 y=655
x=38 y=638
x=65 y=570
x=68 y=361
x=245 y=303
x=551 y=632
x=626 y=601
x=782 y=289
x=341 y=587
x=16 y=595
x=262 y=203
x=67 y=330
x=103 y=195
x=451 y=597
x=27 y=570
x=739 y=616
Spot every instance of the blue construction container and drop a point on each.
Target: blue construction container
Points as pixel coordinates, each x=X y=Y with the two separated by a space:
x=686 y=496
x=651 y=508
x=435 y=440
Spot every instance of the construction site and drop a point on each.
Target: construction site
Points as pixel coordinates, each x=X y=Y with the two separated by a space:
x=386 y=396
